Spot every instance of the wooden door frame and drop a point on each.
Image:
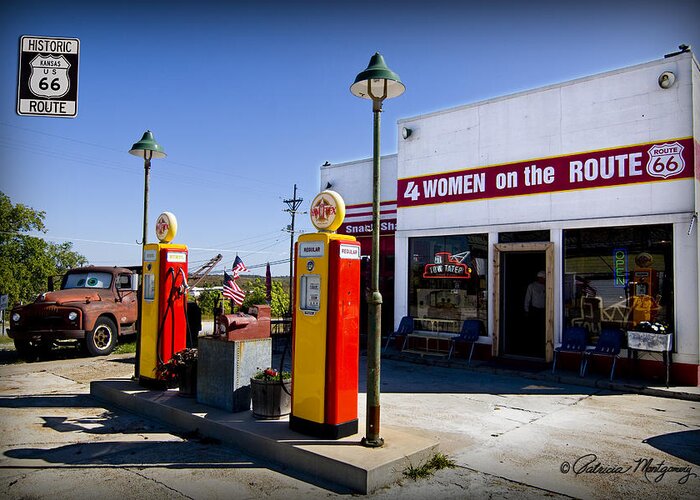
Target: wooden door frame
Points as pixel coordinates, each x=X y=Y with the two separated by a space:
x=548 y=249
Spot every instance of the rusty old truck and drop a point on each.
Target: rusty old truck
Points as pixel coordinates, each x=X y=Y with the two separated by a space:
x=95 y=305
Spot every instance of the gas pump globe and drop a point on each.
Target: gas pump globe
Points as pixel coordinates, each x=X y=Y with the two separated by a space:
x=325 y=336
x=164 y=301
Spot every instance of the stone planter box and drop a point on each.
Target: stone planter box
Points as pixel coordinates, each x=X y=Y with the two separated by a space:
x=645 y=341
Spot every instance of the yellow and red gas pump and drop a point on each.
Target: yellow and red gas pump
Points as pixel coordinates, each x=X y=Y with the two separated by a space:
x=163 y=302
x=325 y=336
x=644 y=289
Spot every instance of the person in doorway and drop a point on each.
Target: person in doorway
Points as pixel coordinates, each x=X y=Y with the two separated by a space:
x=535 y=301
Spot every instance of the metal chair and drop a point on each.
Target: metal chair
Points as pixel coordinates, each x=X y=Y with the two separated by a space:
x=573 y=340
x=609 y=344
x=405 y=328
x=471 y=331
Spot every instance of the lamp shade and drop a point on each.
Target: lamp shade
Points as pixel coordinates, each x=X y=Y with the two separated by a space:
x=147 y=143
x=373 y=81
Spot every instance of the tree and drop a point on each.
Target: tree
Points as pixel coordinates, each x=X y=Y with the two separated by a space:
x=257 y=295
x=26 y=262
x=208 y=299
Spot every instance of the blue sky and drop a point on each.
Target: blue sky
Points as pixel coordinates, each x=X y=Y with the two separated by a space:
x=249 y=98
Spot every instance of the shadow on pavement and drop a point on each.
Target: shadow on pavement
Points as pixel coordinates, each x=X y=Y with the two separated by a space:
x=684 y=445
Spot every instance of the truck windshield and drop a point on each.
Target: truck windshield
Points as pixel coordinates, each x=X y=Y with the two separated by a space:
x=87 y=280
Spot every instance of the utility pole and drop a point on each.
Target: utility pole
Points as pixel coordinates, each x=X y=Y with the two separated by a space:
x=292 y=207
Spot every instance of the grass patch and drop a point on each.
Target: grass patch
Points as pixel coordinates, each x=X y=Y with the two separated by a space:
x=435 y=463
x=4 y=339
x=128 y=347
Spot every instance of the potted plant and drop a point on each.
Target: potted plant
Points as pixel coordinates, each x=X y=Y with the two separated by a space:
x=648 y=336
x=271 y=392
x=181 y=371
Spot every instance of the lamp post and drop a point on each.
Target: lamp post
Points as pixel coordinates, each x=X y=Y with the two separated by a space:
x=147 y=148
x=377 y=83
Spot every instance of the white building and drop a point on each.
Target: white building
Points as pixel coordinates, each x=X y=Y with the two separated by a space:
x=595 y=181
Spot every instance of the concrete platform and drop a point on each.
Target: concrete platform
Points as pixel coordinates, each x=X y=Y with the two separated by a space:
x=344 y=462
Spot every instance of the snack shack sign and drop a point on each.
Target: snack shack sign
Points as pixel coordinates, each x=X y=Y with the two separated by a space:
x=658 y=161
x=48 y=76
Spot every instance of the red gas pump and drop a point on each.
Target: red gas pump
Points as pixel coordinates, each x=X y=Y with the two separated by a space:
x=164 y=300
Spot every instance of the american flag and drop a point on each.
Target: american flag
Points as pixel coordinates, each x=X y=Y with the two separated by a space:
x=238 y=266
x=232 y=290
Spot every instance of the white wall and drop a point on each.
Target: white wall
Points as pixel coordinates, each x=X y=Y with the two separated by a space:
x=695 y=287
x=353 y=180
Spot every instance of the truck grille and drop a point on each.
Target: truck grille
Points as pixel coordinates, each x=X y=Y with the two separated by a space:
x=47 y=318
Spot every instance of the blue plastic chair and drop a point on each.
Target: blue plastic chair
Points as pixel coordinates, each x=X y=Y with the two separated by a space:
x=470 y=333
x=609 y=344
x=405 y=328
x=573 y=340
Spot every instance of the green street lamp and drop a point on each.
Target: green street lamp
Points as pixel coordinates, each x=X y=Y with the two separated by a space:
x=377 y=83
x=147 y=148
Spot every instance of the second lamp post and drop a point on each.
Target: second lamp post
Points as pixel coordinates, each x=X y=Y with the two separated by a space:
x=377 y=83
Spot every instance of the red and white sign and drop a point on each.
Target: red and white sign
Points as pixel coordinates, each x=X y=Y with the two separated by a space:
x=447 y=266
x=349 y=251
x=166 y=227
x=651 y=162
x=358 y=219
x=665 y=160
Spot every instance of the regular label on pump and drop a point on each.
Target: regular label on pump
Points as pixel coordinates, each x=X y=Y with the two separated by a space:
x=177 y=257
x=349 y=252
x=311 y=249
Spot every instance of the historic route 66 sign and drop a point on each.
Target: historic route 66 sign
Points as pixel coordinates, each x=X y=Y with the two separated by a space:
x=48 y=76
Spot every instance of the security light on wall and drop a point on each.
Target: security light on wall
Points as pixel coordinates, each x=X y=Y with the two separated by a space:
x=666 y=79
x=406 y=132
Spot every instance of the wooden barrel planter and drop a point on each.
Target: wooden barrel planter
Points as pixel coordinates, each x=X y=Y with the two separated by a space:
x=271 y=398
x=187 y=381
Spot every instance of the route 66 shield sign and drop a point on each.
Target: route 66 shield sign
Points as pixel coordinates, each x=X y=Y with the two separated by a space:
x=49 y=77
x=665 y=160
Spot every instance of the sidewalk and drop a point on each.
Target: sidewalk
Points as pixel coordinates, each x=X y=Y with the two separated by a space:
x=621 y=384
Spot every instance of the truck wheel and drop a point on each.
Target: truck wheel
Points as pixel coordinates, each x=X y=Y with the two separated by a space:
x=26 y=350
x=103 y=338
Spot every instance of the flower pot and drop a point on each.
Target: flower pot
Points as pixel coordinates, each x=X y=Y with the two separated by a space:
x=187 y=381
x=271 y=399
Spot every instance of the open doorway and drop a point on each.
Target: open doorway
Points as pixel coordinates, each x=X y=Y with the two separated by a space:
x=523 y=330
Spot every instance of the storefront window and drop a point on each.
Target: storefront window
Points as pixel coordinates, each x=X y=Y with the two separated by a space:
x=618 y=277
x=448 y=281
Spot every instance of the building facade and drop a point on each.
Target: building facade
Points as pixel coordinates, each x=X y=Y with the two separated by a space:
x=594 y=184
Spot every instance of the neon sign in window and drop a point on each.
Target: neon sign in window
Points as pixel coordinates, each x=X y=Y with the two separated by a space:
x=620 y=268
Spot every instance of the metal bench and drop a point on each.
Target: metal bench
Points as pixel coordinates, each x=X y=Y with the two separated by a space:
x=427 y=339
